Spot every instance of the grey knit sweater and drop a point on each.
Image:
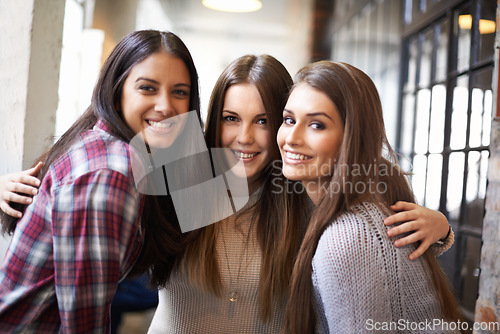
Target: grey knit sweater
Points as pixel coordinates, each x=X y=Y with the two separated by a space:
x=364 y=284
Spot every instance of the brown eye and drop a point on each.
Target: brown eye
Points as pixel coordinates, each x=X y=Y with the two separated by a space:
x=317 y=126
x=229 y=119
x=288 y=121
x=146 y=88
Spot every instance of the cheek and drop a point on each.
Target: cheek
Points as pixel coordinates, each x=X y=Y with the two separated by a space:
x=264 y=139
x=226 y=135
x=183 y=106
x=334 y=150
x=280 y=137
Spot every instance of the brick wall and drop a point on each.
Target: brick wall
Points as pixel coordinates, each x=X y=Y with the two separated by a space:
x=488 y=303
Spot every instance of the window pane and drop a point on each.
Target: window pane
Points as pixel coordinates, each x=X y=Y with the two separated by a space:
x=436 y=135
x=473 y=166
x=433 y=188
x=459 y=114
x=476 y=117
x=418 y=177
x=483 y=174
x=407 y=124
x=442 y=52
x=426 y=60
x=488 y=109
x=405 y=164
x=455 y=184
x=477 y=177
x=422 y=121
x=487 y=30
x=408 y=5
x=412 y=65
x=462 y=18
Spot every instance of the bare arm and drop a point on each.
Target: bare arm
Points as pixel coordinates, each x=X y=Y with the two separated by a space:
x=18 y=188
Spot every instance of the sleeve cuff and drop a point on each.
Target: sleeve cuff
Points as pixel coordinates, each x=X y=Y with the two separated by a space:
x=444 y=244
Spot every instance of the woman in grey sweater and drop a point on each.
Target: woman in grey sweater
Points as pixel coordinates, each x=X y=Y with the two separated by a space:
x=349 y=277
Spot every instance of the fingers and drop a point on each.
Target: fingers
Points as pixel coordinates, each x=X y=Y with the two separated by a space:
x=34 y=170
x=16 y=198
x=399 y=217
x=17 y=190
x=403 y=228
x=413 y=238
x=409 y=239
x=22 y=179
x=419 y=251
x=401 y=205
x=10 y=211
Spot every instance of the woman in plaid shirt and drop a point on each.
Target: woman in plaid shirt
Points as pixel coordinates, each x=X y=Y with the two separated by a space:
x=83 y=232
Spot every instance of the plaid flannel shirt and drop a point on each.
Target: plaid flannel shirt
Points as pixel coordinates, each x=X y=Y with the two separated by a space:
x=76 y=241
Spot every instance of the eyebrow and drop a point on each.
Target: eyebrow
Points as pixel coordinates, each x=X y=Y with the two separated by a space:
x=313 y=114
x=235 y=113
x=146 y=79
x=156 y=82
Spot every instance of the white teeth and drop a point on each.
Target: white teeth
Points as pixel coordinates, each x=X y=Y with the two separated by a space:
x=161 y=125
x=295 y=156
x=242 y=155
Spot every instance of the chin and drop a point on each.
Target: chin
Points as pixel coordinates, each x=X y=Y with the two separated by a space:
x=241 y=173
x=159 y=144
x=291 y=174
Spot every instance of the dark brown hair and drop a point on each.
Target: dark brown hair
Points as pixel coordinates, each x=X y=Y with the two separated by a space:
x=162 y=234
x=364 y=143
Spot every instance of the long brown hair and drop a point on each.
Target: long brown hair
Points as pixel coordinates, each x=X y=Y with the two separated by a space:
x=279 y=242
x=162 y=234
x=364 y=143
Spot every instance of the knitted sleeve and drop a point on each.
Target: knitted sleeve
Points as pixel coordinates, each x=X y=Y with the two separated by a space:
x=351 y=276
x=442 y=246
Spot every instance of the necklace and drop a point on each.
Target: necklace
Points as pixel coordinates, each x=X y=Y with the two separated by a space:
x=233 y=294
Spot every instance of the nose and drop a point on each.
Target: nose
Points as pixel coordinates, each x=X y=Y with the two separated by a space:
x=294 y=135
x=163 y=104
x=245 y=135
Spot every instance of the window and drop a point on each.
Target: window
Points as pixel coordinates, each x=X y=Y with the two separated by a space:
x=444 y=122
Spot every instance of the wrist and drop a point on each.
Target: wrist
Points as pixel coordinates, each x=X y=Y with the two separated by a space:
x=447 y=234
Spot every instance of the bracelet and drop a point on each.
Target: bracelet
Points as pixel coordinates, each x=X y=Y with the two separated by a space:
x=447 y=235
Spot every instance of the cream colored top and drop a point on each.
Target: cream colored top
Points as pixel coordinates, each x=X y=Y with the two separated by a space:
x=184 y=308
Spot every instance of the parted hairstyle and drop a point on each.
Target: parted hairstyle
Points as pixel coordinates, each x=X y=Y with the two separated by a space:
x=162 y=233
x=279 y=242
x=364 y=143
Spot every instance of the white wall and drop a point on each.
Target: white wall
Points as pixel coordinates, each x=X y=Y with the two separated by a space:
x=30 y=48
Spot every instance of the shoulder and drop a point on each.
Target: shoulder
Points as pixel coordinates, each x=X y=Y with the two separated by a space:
x=94 y=151
x=353 y=232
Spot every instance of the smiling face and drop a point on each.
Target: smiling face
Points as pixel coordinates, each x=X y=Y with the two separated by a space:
x=244 y=130
x=156 y=90
x=310 y=136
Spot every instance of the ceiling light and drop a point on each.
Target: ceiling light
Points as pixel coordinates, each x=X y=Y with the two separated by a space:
x=238 y=6
x=485 y=26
